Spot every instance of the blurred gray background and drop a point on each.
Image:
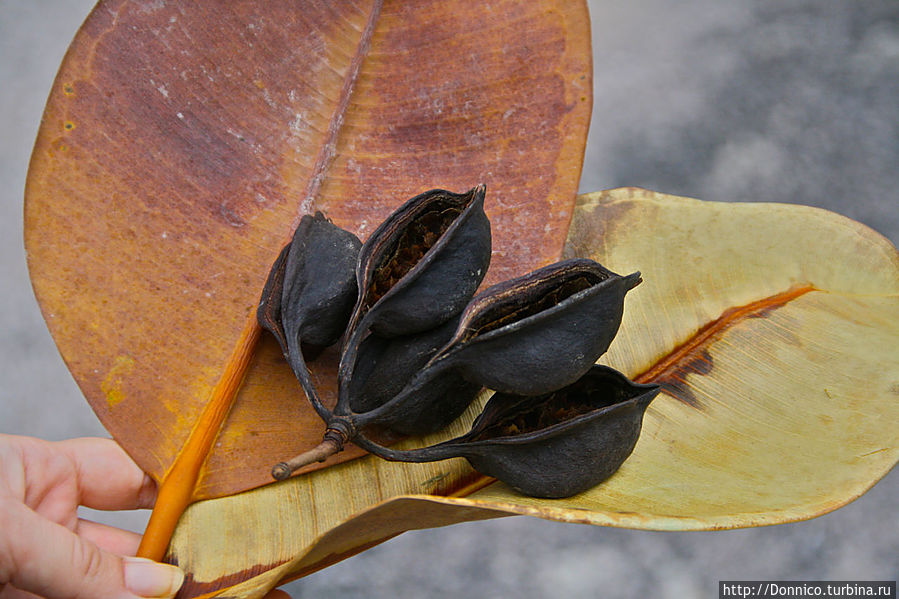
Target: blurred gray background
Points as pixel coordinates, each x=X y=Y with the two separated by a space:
x=785 y=101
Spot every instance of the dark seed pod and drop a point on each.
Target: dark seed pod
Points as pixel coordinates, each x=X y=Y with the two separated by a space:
x=427 y=408
x=551 y=445
x=422 y=265
x=384 y=366
x=319 y=287
x=384 y=369
x=443 y=400
x=415 y=356
x=416 y=273
x=538 y=332
x=311 y=287
x=562 y=443
x=309 y=293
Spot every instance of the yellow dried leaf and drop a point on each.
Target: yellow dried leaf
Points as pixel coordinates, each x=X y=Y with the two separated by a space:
x=774 y=332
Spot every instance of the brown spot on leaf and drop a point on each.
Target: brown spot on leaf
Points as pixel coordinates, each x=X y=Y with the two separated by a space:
x=674 y=382
x=195 y=588
x=594 y=229
x=693 y=356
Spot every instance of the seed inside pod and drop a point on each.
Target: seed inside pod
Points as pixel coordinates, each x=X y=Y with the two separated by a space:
x=411 y=246
x=422 y=265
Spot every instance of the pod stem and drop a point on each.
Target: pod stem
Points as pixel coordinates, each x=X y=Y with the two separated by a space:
x=330 y=445
x=432 y=453
x=298 y=365
x=347 y=364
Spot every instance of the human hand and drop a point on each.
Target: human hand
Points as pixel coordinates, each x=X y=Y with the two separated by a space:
x=46 y=550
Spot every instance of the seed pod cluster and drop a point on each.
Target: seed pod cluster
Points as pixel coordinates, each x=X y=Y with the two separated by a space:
x=418 y=345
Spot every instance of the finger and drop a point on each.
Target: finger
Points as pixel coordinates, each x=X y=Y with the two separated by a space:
x=108 y=478
x=49 y=560
x=10 y=592
x=109 y=538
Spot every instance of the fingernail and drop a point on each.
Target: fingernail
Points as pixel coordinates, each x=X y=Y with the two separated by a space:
x=147 y=578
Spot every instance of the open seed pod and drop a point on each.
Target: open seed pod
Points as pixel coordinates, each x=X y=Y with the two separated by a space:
x=562 y=443
x=541 y=331
x=422 y=265
x=551 y=445
x=416 y=273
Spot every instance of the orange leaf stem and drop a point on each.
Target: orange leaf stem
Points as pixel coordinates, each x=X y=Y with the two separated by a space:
x=176 y=490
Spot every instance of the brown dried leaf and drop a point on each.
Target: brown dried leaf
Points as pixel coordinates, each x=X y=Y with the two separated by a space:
x=181 y=143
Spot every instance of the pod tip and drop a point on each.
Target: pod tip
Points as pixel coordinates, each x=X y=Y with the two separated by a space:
x=633 y=279
x=652 y=390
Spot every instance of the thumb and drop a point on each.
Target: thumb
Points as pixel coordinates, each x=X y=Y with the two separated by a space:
x=49 y=560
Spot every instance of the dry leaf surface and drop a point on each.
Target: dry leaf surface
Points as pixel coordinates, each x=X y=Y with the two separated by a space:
x=774 y=331
x=181 y=144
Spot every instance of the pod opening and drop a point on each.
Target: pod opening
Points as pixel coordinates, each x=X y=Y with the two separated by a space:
x=533 y=414
x=407 y=250
x=515 y=307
